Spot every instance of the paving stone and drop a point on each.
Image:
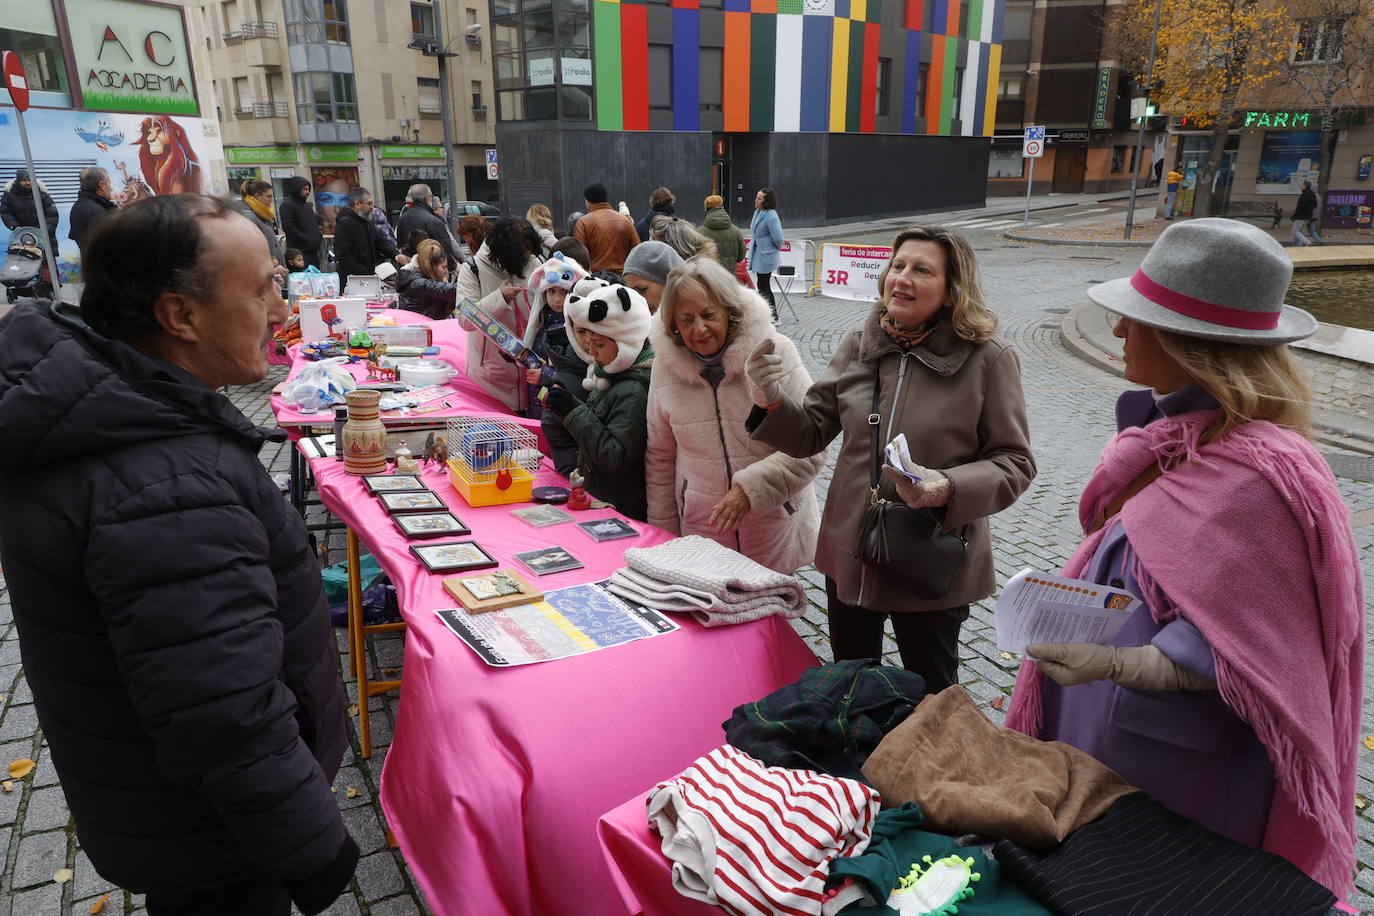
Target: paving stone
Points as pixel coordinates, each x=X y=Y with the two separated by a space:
x=351 y=777
x=41 y=901
x=9 y=801
x=346 y=905
x=379 y=876
x=47 y=810
x=87 y=883
x=19 y=722
x=364 y=825
x=397 y=906
x=39 y=856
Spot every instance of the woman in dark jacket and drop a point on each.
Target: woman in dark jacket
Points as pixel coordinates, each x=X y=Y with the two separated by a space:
x=299 y=221
x=423 y=284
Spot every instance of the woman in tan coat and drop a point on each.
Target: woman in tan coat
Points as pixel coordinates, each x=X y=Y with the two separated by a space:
x=704 y=474
x=955 y=391
x=496 y=279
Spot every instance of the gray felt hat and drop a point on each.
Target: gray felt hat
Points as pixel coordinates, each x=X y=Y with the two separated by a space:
x=1220 y=279
x=652 y=261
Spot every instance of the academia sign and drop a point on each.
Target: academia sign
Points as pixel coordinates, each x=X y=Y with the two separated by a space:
x=131 y=56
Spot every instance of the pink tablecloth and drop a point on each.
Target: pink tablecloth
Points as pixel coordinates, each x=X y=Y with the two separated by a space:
x=642 y=874
x=495 y=778
x=468 y=399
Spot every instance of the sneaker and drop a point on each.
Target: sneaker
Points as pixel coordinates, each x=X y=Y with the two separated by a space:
x=776 y=319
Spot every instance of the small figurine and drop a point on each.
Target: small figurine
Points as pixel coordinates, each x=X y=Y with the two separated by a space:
x=436 y=449
x=375 y=369
x=578 y=498
x=405 y=461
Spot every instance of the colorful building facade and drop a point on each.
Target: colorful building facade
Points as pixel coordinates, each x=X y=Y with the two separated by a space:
x=824 y=100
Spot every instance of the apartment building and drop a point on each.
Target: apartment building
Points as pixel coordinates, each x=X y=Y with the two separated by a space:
x=1058 y=70
x=347 y=93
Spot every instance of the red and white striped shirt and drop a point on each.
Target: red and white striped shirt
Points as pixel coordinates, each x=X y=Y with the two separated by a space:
x=756 y=839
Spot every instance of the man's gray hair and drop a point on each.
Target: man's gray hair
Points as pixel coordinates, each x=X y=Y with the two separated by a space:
x=358 y=195
x=419 y=193
x=92 y=178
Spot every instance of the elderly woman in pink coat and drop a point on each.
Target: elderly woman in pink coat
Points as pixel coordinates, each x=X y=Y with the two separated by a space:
x=704 y=474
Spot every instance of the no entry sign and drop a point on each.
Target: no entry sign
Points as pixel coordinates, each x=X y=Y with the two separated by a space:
x=15 y=81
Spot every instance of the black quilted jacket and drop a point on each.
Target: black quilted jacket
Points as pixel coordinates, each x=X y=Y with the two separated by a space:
x=170 y=615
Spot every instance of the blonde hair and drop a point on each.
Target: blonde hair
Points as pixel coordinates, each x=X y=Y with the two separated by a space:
x=541 y=216
x=708 y=277
x=1250 y=382
x=428 y=254
x=681 y=236
x=972 y=318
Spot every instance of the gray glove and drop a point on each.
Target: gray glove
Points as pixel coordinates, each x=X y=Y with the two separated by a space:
x=765 y=373
x=1136 y=667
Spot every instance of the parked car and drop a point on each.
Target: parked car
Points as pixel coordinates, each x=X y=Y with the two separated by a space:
x=462 y=208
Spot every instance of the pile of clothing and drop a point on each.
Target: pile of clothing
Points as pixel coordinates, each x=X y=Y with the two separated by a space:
x=715 y=584
x=847 y=792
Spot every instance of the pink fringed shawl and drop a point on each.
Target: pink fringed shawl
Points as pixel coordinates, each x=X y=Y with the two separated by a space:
x=1249 y=540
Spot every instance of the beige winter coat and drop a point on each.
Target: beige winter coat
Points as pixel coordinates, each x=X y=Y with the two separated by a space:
x=485 y=365
x=698 y=448
x=963 y=412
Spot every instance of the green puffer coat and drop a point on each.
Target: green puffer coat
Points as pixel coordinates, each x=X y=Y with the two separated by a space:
x=612 y=433
x=729 y=240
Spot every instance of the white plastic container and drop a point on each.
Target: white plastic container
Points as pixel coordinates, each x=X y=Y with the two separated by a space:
x=421 y=372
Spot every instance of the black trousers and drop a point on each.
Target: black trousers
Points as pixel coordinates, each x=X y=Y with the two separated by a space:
x=927 y=640
x=766 y=290
x=261 y=896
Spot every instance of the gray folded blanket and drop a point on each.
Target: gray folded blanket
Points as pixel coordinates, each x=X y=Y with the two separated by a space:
x=715 y=584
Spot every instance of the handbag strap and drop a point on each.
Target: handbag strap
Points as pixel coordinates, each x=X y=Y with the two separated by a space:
x=1143 y=480
x=874 y=420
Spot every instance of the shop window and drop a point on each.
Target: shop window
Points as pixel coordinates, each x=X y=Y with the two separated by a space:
x=1005 y=162
x=422 y=21
x=1318 y=40
x=1118 y=159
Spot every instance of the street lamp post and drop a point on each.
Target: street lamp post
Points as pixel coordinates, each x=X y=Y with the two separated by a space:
x=431 y=49
x=1140 y=137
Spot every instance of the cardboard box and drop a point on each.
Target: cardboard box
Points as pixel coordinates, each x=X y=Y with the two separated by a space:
x=322 y=318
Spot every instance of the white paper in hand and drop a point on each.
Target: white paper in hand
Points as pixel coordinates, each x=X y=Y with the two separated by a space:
x=1037 y=607
x=898 y=456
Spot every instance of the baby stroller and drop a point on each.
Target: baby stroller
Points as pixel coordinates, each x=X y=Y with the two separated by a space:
x=25 y=271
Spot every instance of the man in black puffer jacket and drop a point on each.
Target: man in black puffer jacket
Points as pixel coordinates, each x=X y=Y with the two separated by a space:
x=299 y=221
x=169 y=607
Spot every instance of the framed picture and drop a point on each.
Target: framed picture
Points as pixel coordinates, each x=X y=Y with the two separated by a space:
x=459 y=555
x=492 y=591
x=430 y=525
x=393 y=483
x=542 y=516
x=548 y=560
x=607 y=529
x=407 y=501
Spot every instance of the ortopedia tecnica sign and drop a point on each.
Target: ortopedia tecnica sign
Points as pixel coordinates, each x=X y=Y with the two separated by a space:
x=851 y=271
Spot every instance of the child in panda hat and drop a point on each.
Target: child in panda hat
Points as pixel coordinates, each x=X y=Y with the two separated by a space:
x=610 y=326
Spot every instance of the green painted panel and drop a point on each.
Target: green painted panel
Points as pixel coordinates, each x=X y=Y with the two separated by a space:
x=610 y=110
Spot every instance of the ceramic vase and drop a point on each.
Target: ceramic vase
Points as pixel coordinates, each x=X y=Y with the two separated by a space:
x=364 y=435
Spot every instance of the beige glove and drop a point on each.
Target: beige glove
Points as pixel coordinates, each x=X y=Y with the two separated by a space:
x=765 y=373
x=934 y=488
x=1136 y=667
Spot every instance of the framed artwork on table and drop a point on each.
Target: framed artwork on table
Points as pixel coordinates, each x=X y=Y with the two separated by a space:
x=405 y=502
x=430 y=525
x=459 y=555
x=393 y=483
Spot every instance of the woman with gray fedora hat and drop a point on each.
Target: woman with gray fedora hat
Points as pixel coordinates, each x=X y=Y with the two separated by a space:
x=1233 y=694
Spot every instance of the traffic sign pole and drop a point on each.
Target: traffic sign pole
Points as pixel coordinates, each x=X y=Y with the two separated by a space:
x=1030 y=179
x=17 y=85
x=1032 y=148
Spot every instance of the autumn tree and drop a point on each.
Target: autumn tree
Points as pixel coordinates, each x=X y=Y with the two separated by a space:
x=1210 y=55
x=1330 y=64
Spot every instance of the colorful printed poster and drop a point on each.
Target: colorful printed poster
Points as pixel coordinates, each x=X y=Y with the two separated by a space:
x=1348 y=210
x=1287 y=159
x=569 y=621
x=145 y=155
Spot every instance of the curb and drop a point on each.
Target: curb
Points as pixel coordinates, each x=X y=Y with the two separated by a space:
x=1017 y=237
x=1328 y=426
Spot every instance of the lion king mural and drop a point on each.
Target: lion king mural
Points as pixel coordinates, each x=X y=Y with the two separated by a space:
x=168 y=162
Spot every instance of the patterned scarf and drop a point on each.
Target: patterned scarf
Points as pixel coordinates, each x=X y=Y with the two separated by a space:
x=906 y=337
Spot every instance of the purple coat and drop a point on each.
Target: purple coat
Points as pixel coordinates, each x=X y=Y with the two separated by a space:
x=1187 y=749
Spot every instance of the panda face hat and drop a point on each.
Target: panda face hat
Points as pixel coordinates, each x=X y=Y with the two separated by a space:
x=613 y=311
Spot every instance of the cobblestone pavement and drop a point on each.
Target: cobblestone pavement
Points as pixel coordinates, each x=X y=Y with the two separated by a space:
x=1070 y=403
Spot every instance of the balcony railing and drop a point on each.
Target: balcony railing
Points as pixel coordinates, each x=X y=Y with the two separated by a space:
x=259 y=29
x=271 y=110
x=479 y=111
